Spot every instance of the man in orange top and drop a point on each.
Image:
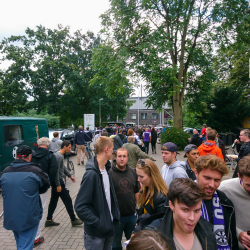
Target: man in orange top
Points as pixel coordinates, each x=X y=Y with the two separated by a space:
x=209 y=147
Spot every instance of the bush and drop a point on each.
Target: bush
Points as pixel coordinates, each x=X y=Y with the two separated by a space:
x=52 y=120
x=177 y=136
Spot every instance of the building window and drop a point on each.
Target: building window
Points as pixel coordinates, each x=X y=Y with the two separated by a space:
x=143 y=116
x=133 y=116
x=13 y=135
x=154 y=116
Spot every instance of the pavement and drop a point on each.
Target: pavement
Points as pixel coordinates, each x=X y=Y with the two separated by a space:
x=65 y=236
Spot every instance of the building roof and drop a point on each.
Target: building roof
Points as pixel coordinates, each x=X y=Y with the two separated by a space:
x=141 y=104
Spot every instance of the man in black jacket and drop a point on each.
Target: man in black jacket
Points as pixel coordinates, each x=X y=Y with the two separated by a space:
x=217 y=208
x=127 y=189
x=96 y=203
x=46 y=160
x=182 y=225
x=195 y=139
x=192 y=153
x=80 y=138
x=243 y=149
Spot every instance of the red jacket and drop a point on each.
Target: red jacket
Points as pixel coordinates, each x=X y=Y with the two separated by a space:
x=210 y=148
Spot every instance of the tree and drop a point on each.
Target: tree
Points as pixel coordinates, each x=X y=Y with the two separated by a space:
x=166 y=42
x=226 y=109
x=50 y=72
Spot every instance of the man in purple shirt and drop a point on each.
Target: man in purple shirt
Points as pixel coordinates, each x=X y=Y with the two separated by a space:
x=146 y=139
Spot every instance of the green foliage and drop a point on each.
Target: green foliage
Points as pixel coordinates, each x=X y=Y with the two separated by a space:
x=226 y=109
x=177 y=136
x=51 y=72
x=52 y=120
x=169 y=44
x=190 y=118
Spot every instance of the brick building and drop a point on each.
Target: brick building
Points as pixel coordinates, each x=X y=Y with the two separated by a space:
x=146 y=115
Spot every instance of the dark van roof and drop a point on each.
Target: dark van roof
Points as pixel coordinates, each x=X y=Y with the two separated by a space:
x=6 y=118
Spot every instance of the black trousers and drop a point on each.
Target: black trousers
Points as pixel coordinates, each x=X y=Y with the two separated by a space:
x=153 y=145
x=66 y=199
x=146 y=144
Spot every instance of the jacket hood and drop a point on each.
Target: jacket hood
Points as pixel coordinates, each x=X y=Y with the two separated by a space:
x=91 y=166
x=117 y=169
x=55 y=139
x=40 y=152
x=178 y=164
x=20 y=163
x=209 y=146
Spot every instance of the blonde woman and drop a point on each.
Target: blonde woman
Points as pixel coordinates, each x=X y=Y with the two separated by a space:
x=154 y=190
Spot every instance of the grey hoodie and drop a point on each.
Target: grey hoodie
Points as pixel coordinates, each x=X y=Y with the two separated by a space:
x=55 y=144
x=176 y=170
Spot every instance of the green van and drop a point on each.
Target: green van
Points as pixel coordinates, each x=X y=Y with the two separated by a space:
x=17 y=131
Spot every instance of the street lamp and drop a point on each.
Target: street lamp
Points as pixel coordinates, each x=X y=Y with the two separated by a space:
x=100 y=111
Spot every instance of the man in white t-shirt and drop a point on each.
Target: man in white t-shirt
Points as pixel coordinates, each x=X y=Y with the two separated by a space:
x=96 y=203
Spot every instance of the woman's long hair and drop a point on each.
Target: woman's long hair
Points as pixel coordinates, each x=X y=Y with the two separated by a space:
x=157 y=182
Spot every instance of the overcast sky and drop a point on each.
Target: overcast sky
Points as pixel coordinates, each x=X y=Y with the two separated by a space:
x=17 y=15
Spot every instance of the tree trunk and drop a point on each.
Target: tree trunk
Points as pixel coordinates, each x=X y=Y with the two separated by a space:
x=177 y=110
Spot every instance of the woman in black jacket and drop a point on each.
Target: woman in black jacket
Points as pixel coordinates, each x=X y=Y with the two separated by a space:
x=154 y=191
x=153 y=140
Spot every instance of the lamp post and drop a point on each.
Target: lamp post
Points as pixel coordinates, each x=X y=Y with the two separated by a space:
x=100 y=111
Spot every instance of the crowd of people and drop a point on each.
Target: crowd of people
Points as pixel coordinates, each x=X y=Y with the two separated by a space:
x=186 y=205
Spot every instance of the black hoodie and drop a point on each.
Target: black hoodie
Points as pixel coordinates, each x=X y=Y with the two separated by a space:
x=46 y=160
x=91 y=205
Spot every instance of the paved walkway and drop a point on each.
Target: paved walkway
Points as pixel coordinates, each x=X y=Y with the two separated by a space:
x=65 y=236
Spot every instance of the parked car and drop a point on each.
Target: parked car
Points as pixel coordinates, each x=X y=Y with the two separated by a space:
x=190 y=130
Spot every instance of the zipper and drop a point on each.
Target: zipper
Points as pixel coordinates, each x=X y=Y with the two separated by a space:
x=229 y=228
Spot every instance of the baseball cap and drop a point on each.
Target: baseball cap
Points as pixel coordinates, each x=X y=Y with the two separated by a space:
x=188 y=148
x=23 y=151
x=169 y=146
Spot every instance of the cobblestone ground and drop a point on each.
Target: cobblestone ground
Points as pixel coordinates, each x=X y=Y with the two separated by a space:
x=65 y=236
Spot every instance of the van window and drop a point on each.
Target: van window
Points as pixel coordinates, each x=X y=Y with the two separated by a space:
x=13 y=135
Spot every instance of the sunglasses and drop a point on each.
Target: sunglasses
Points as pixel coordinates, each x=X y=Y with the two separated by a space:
x=143 y=163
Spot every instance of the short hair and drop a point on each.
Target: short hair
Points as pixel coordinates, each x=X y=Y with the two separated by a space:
x=186 y=191
x=244 y=166
x=102 y=142
x=55 y=134
x=120 y=149
x=80 y=127
x=208 y=128
x=114 y=130
x=87 y=128
x=43 y=141
x=204 y=125
x=211 y=135
x=104 y=133
x=120 y=130
x=131 y=139
x=148 y=240
x=130 y=132
x=65 y=143
x=246 y=132
x=212 y=162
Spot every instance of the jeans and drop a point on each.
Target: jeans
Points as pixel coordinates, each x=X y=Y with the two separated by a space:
x=25 y=239
x=43 y=198
x=66 y=199
x=127 y=225
x=146 y=144
x=93 y=243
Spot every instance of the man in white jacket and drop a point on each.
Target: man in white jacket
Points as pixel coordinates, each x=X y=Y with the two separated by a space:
x=172 y=168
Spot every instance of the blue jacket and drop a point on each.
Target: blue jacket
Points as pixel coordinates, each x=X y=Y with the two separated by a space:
x=21 y=184
x=81 y=137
